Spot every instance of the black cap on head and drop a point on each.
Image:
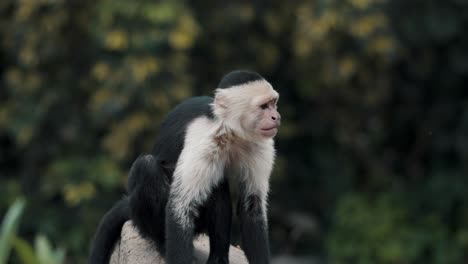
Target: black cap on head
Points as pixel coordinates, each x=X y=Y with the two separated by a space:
x=238 y=77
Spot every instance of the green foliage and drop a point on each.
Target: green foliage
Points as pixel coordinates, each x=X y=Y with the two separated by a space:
x=390 y=234
x=24 y=251
x=42 y=253
x=9 y=228
x=373 y=145
x=381 y=231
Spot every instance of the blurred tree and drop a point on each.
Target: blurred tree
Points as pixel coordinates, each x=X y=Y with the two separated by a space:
x=373 y=147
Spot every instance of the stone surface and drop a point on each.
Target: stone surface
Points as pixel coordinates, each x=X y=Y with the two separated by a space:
x=133 y=249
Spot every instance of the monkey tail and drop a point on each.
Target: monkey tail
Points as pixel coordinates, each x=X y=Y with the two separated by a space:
x=108 y=232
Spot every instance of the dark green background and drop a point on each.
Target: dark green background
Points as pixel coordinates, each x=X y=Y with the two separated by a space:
x=372 y=155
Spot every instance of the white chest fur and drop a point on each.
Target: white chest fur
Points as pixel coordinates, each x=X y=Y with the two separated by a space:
x=208 y=148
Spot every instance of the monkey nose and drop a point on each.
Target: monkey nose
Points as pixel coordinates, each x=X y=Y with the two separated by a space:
x=276 y=118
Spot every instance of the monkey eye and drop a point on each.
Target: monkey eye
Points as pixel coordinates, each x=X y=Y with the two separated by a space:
x=264 y=106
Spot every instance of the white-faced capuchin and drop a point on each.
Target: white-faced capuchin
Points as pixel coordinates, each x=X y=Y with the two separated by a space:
x=180 y=189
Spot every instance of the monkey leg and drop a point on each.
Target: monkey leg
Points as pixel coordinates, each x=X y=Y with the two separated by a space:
x=218 y=219
x=148 y=198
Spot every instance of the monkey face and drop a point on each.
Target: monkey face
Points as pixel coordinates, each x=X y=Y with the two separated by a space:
x=265 y=118
x=260 y=117
x=270 y=120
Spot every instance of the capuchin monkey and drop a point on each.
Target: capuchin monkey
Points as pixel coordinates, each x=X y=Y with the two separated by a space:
x=181 y=189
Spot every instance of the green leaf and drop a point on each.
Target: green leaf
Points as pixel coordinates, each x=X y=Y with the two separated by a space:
x=45 y=253
x=9 y=227
x=24 y=251
x=43 y=249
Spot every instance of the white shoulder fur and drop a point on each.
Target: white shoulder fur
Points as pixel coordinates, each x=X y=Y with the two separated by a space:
x=199 y=168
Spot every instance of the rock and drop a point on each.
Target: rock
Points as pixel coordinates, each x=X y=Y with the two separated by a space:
x=133 y=249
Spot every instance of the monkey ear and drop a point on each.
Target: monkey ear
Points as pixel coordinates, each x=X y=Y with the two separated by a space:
x=220 y=100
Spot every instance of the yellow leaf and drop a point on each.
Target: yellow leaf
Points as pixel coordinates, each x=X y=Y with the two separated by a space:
x=27 y=56
x=188 y=24
x=13 y=76
x=101 y=71
x=180 y=40
x=25 y=10
x=181 y=90
x=143 y=67
x=367 y=25
x=99 y=98
x=75 y=193
x=361 y=4
x=118 y=142
x=152 y=64
x=183 y=36
x=116 y=40
x=347 y=67
x=302 y=46
x=158 y=100
x=329 y=19
x=382 y=44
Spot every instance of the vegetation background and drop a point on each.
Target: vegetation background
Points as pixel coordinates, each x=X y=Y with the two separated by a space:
x=373 y=150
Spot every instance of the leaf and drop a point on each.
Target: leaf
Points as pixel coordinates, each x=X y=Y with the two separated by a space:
x=43 y=249
x=116 y=40
x=24 y=251
x=45 y=253
x=9 y=227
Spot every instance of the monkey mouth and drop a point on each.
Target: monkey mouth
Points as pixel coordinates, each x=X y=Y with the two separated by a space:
x=269 y=132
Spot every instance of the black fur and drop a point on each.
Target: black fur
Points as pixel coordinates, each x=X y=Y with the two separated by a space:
x=239 y=77
x=148 y=190
x=254 y=233
x=108 y=232
x=148 y=184
x=218 y=218
x=148 y=194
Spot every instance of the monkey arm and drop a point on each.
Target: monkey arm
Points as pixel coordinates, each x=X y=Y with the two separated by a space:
x=181 y=218
x=252 y=205
x=179 y=245
x=254 y=229
x=195 y=178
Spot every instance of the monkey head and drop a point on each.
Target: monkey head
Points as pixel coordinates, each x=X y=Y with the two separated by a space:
x=246 y=103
